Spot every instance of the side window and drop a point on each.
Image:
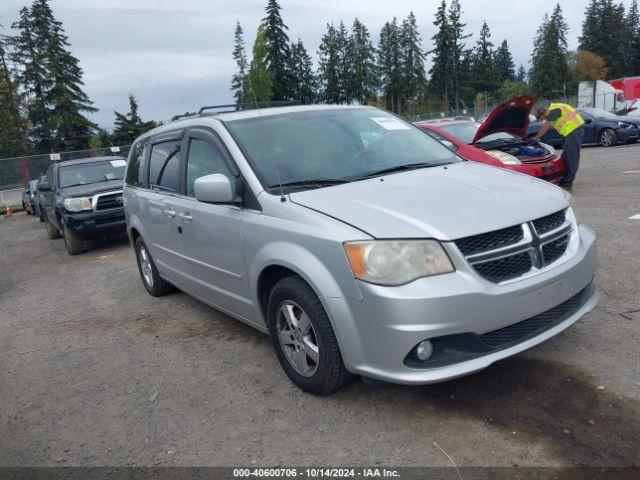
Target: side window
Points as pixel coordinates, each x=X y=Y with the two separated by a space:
x=164 y=165
x=136 y=161
x=204 y=159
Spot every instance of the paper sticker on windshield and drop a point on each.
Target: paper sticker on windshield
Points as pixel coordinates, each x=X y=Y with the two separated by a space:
x=390 y=123
x=118 y=163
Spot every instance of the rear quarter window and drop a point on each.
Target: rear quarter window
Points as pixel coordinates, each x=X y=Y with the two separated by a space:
x=134 y=176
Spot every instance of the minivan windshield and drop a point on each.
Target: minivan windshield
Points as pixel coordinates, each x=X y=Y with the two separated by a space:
x=92 y=172
x=467 y=132
x=318 y=148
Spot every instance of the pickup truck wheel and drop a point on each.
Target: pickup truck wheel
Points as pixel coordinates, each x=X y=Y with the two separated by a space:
x=74 y=244
x=155 y=285
x=52 y=230
x=608 y=138
x=303 y=338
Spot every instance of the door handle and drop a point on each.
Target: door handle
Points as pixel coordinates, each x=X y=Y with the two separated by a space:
x=185 y=216
x=170 y=213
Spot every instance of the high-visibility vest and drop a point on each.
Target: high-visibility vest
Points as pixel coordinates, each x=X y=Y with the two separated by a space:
x=568 y=120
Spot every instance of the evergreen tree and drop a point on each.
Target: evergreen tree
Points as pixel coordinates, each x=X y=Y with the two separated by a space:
x=259 y=79
x=303 y=80
x=277 y=51
x=129 y=126
x=442 y=67
x=390 y=63
x=70 y=128
x=239 y=79
x=521 y=76
x=333 y=69
x=549 y=72
x=412 y=60
x=12 y=125
x=362 y=63
x=31 y=76
x=483 y=69
x=632 y=53
x=605 y=32
x=503 y=61
x=460 y=70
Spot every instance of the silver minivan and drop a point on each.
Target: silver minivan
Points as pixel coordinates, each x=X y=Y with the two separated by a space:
x=357 y=242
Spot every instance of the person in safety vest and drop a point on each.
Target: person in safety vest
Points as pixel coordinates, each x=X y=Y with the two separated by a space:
x=568 y=123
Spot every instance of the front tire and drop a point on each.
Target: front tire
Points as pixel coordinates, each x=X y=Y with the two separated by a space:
x=303 y=338
x=151 y=279
x=608 y=138
x=74 y=244
x=52 y=231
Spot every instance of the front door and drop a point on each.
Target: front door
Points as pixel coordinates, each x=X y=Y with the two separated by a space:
x=211 y=233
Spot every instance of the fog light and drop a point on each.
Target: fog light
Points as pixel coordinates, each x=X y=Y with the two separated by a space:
x=424 y=350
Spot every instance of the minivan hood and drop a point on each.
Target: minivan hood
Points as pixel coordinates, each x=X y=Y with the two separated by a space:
x=446 y=203
x=511 y=116
x=92 y=188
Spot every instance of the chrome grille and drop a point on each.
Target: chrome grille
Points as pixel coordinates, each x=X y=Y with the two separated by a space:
x=505 y=268
x=554 y=250
x=509 y=253
x=490 y=241
x=107 y=200
x=550 y=222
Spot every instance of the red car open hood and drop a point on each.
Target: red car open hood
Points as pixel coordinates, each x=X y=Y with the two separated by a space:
x=511 y=116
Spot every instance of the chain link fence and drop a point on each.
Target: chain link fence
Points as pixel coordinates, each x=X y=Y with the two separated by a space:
x=15 y=172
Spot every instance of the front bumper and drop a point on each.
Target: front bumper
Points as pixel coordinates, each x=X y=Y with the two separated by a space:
x=551 y=171
x=377 y=333
x=628 y=135
x=95 y=224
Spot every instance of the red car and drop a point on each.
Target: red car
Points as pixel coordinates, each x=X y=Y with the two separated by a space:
x=500 y=141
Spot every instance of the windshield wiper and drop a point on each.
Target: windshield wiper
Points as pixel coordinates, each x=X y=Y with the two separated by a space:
x=403 y=168
x=316 y=182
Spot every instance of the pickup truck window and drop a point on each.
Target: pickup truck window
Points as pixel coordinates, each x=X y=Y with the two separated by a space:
x=92 y=172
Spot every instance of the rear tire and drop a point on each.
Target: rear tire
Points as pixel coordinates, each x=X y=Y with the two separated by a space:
x=151 y=279
x=608 y=138
x=304 y=340
x=74 y=244
x=52 y=231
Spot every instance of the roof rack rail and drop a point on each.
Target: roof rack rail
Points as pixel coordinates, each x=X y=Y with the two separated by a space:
x=184 y=115
x=246 y=106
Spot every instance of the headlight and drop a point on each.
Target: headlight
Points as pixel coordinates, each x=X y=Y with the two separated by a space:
x=391 y=262
x=571 y=212
x=549 y=148
x=624 y=125
x=77 y=204
x=503 y=157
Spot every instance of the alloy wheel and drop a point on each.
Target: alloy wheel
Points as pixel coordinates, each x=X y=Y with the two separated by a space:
x=607 y=138
x=145 y=266
x=298 y=338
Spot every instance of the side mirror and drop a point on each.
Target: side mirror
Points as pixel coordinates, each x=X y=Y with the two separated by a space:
x=215 y=188
x=587 y=120
x=44 y=187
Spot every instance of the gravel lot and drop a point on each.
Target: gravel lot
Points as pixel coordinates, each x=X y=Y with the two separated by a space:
x=93 y=371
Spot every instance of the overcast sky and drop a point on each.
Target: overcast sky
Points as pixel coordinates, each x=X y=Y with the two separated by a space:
x=175 y=56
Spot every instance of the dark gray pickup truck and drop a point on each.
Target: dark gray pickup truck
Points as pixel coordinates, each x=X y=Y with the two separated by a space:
x=82 y=199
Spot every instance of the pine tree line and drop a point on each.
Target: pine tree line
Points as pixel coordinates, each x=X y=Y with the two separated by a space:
x=43 y=105
x=392 y=73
